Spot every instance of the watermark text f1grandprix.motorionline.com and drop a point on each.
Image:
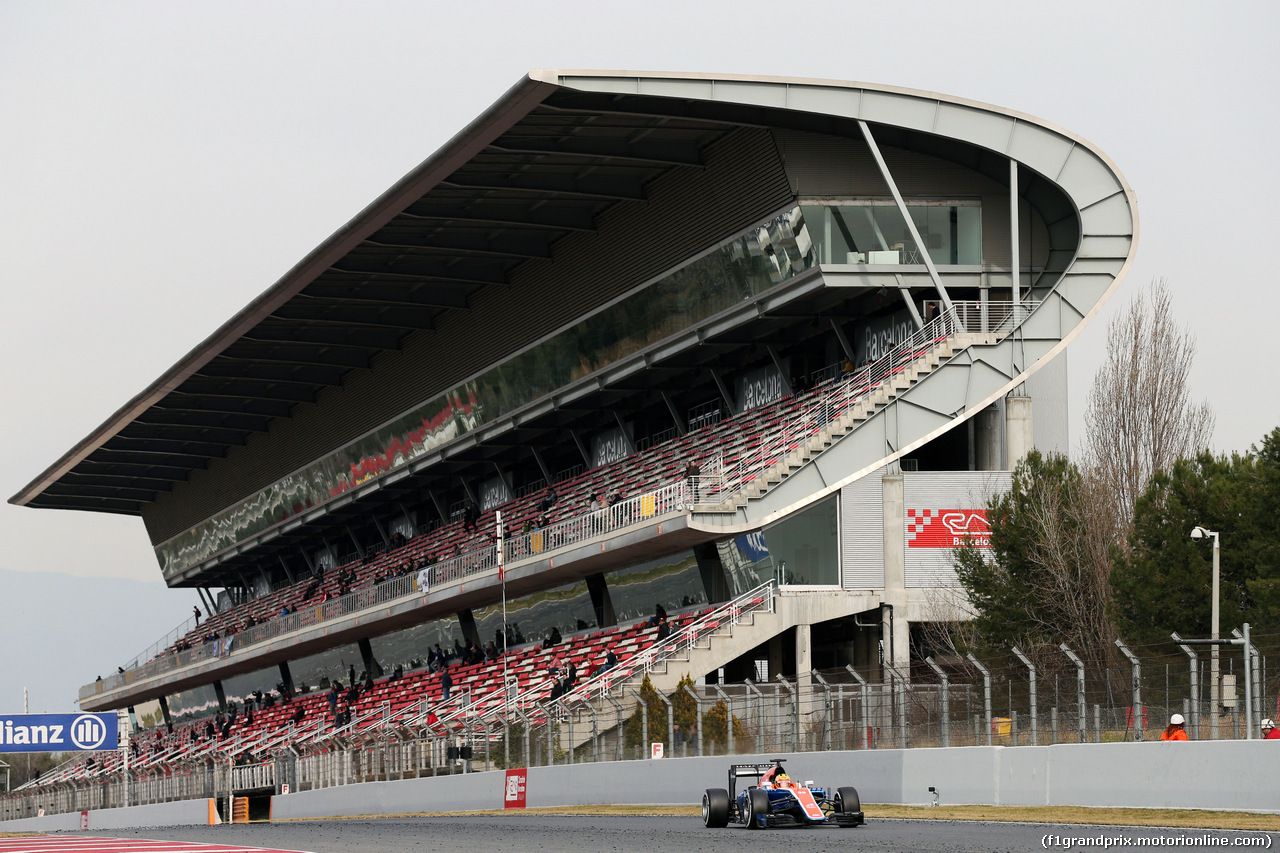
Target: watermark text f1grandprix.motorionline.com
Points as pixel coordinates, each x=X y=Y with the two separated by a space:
x=1051 y=841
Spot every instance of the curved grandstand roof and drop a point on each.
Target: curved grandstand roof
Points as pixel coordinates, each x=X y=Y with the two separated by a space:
x=557 y=150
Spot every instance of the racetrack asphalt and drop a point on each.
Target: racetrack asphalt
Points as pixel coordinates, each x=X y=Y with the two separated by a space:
x=519 y=833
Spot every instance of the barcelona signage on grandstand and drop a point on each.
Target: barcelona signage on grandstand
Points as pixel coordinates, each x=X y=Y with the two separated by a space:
x=58 y=732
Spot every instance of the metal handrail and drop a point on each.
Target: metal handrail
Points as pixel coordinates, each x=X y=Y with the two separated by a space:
x=998 y=318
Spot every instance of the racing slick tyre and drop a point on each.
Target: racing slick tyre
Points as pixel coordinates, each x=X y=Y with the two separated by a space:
x=715 y=808
x=848 y=802
x=757 y=807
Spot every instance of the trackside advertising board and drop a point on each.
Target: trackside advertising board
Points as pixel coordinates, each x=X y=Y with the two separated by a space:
x=58 y=732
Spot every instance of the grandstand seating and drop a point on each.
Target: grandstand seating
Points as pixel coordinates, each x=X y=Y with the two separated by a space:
x=729 y=440
x=389 y=701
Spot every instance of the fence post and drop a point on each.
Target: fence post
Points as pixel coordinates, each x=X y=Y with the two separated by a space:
x=728 y=716
x=986 y=692
x=1079 y=686
x=1053 y=722
x=866 y=705
x=794 y=693
x=617 y=710
x=900 y=701
x=1137 y=687
x=1035 y=728
x=1250 y=679
x=946 y=702
x=697 y=703
x=826 y=720
x=1195 y=685
x=644 y=721
x=759 y=702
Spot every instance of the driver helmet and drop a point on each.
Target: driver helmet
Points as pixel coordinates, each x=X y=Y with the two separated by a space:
x=1176 y=720
x=782 y=777
x=1268 y=724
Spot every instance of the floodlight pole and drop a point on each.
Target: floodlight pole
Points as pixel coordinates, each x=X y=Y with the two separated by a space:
x=1215 y=682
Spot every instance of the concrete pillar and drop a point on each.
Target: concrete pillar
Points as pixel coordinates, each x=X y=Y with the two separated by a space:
x=775 y=657
x=601 y=601
x=221 y=694
x=894 y=621
x=1018 y=436
x=986 y=440
x=467 y=625
x=371 y=666
x=286 y=678
x=164 y=710
x=804 y=658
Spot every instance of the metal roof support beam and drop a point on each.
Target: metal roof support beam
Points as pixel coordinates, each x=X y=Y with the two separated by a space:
x=542 y=465
x=844 y=341
x=777 y=362
x=582 y=448
x=382 y=533
x=681 y=427
x=287 y=571
x=911 y=303
x=311 y=567
x=724 y=391
x=440 y=508
x=466 y=487
x=1015 y=263
x=906 y=214
x=354 y=540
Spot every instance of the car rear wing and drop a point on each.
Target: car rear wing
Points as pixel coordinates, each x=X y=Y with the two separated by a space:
x=751 y=771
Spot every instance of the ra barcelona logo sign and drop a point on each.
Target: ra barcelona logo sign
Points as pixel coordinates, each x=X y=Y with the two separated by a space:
x=947 y=528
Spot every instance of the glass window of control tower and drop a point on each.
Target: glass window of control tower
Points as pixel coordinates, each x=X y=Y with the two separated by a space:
x=874 y=232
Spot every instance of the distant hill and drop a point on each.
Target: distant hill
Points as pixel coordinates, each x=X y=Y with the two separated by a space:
x=58 y=632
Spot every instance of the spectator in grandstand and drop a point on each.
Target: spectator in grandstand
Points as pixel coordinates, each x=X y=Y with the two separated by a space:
x=446 y=684
x=1175 y=730
x=570 y=674
x=659 y=613
x=548 y=500
x=470 y=517
x=397 y=539
x=520 y=640
x=397 y=673
x=610 y=660
x=333 y=696
x=299 y=714
x=691 y=473
x=195 y=611
x=490 y=652
x=553 y=639
x=664 y=628
x=1269 y=730
x=593 y=502
x=615 y=498
x=557 y=664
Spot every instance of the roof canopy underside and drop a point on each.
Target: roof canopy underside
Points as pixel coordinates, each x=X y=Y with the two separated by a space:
x=543 y=163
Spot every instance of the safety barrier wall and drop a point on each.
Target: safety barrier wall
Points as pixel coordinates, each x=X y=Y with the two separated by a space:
x=1231 y=775
x=179 y=813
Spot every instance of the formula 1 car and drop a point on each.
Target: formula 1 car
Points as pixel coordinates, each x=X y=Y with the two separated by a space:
x=774 y=800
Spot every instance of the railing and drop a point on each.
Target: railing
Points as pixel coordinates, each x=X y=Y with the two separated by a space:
x=999 y=318
x=253 y=776
x=163 y=643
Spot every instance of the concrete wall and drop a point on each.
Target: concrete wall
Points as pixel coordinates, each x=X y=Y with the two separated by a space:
x=1203 y=775
x=1232 y=775
x=182 y=813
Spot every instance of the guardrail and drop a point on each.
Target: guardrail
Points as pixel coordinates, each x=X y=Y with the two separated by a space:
x=999 y=318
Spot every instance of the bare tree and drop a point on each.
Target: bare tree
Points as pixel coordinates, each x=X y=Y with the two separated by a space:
x=1141 y=418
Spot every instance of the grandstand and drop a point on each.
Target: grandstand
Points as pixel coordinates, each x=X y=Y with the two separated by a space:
x=749 y=352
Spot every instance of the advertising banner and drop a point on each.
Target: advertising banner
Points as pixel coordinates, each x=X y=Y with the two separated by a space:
x=58 y=732
x=517 y=783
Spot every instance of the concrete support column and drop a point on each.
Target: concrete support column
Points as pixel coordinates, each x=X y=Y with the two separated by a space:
x=1019 y=439
x=286 y=678
x=601 y=601
x=804 y=658
x=221 y=694
x=164 y=709
x=467 y=624
x=371 y=666
x=987 y=434
x=894 y=621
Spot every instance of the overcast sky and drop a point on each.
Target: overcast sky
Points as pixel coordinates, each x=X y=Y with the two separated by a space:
x=163 y=163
